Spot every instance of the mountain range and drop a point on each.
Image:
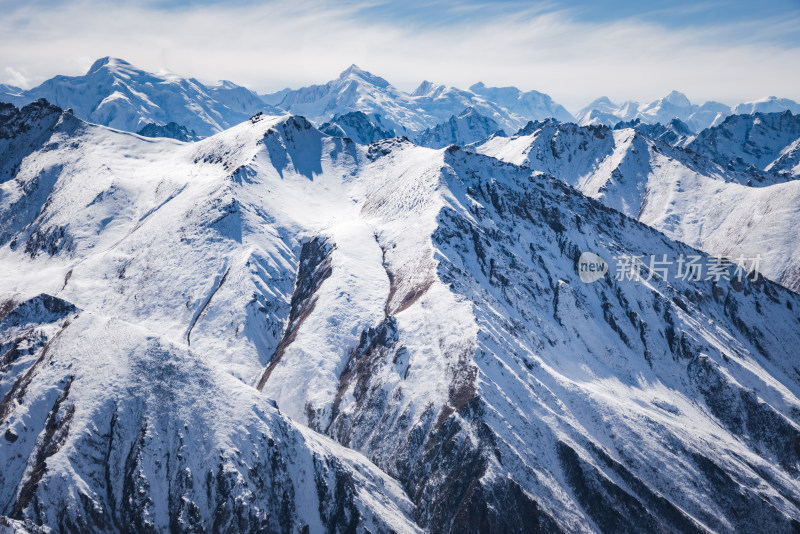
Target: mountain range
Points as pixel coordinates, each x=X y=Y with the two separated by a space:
x=712 y=195
x=115 y=93
x=377 y=318
x=677 y=105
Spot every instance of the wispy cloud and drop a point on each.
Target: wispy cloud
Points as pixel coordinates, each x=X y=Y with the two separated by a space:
x=15 y=78
x=543 y=47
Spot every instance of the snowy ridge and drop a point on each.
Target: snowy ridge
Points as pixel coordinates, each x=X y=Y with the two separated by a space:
x=761 y=141
x=677 y=191
x=421 y=307
x=168 y=457
x=675 y=132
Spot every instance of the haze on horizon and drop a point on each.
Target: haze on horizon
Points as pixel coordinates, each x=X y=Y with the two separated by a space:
x=574 y=51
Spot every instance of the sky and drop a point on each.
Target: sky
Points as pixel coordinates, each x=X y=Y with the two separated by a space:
x=729 y=51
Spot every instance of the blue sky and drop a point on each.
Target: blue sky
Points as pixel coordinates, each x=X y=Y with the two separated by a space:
x=575 y=51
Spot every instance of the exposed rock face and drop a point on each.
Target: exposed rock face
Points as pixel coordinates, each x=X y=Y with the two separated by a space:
x=748 y=143
x=171 y=130
x=358 y=126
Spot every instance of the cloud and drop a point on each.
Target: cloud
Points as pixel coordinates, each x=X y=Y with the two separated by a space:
x=273 y=45
x=15 y=78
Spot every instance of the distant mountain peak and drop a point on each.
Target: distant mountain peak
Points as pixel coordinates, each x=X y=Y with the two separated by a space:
x=354 y=71
x=425 y=88
x=677 y=98
x=225 y=84
x=602 y=100
x=110 y=61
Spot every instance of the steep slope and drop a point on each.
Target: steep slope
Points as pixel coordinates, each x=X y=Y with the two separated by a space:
x=115 y=93
x=466 y=128
x=486 y=372
x=675 y=132
x=236 y=98
x=108 y=426
x=788 y=162
x=358 y=126
x=120 y=407
x=422 y=307
x=746 y=142
x=24 y=131
x=679 y=192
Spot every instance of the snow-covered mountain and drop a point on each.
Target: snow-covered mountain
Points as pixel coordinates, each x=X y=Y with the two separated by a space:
x=115 y=93
x=466 y=128
x=681 y=193
x=770 y=104
x=675 y=132
x=358 y=126
x=762 y=141
x=788 y=162
x=357 y=90
x=676 y=105
x=111 y=419
x=430 y=104
x=604 y=111
x=417 y=318
x=443 y=102
x=707 y=115
x=663 y=110
x=531 y=105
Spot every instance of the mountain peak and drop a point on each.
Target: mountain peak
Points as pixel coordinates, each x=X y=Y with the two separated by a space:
x=354 y=71
x=602 y=100
x=477 y=87
x=677 y=98
x=424 y=88
x=224 y=84
x=110 y=61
